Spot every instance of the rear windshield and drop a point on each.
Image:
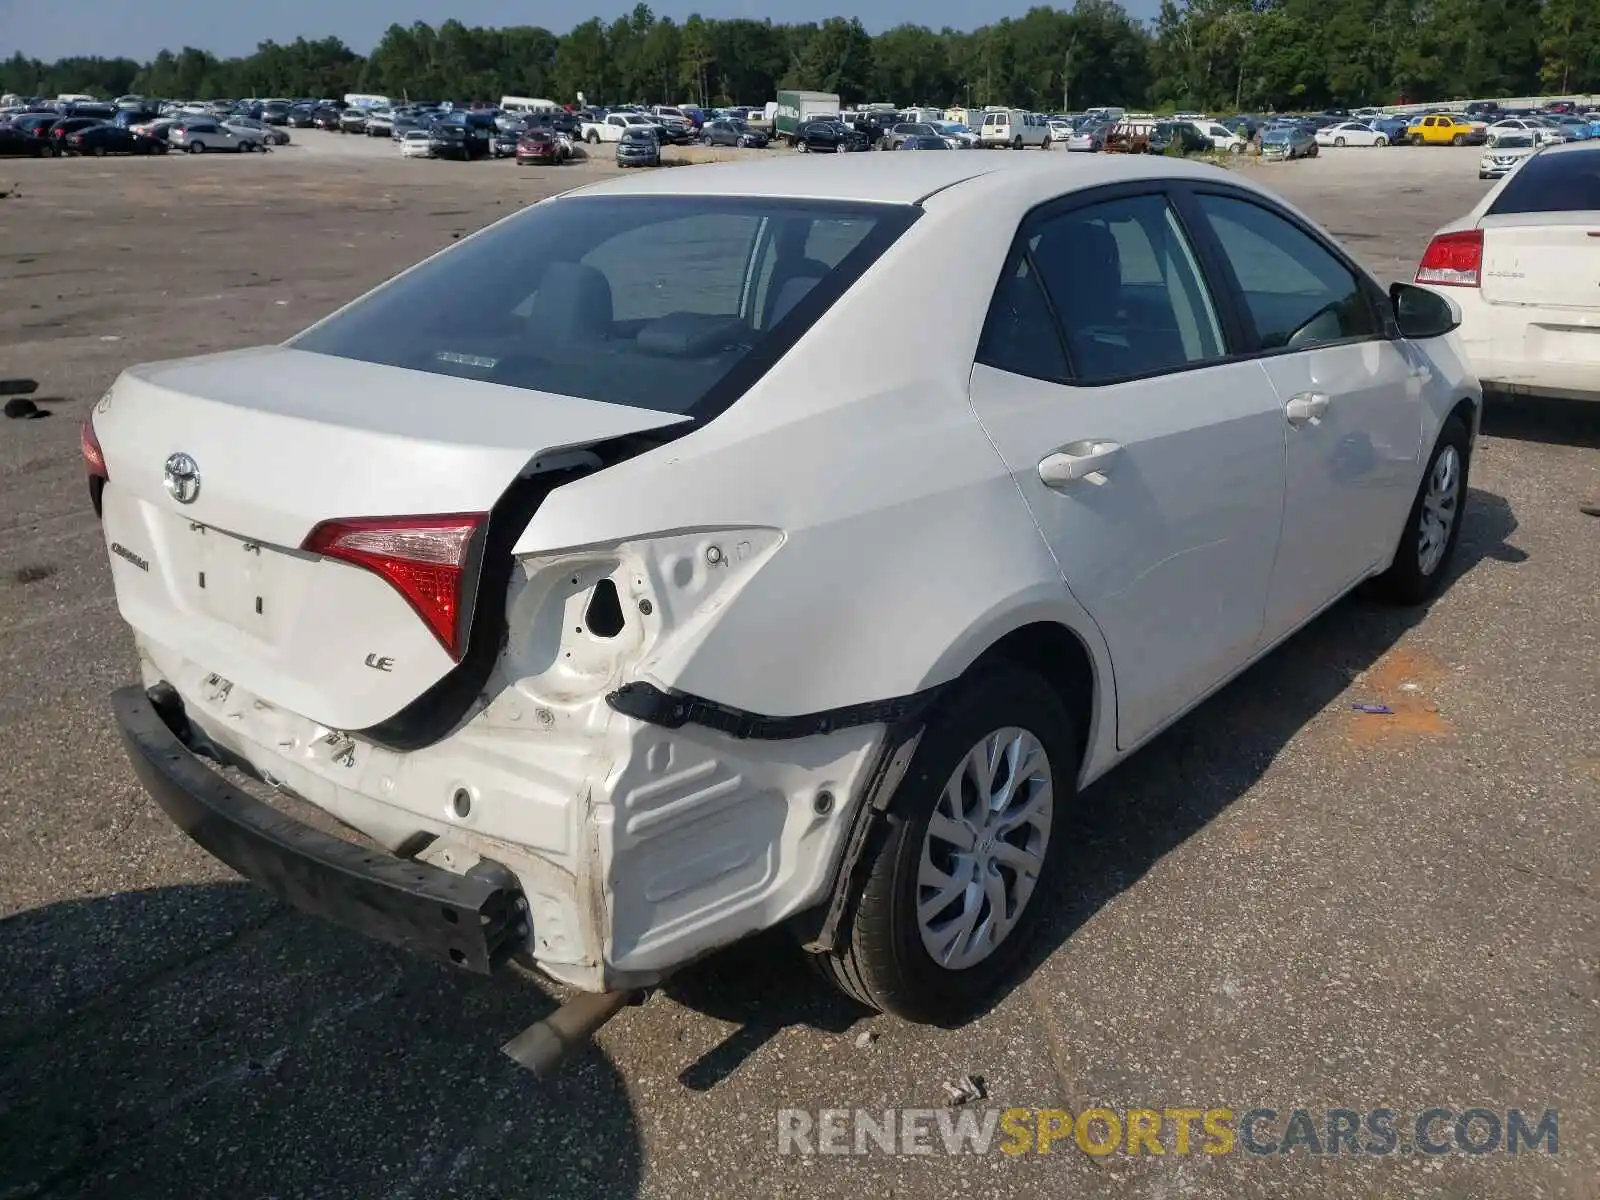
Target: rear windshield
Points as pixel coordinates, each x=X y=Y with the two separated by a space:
x=1563 y=182
x=648 y=301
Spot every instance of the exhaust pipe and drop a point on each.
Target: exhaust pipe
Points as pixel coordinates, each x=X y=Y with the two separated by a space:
x=545 y=1045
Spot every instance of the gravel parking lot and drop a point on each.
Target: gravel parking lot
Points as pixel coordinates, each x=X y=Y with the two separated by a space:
x=1283 y=903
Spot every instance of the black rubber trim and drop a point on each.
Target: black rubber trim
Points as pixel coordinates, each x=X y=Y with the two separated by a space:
x=674 y=709
x=469 y=921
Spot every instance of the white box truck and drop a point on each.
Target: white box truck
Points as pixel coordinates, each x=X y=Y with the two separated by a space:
x=794 y=107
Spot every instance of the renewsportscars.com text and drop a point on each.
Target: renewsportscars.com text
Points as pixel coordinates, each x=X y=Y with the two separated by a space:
x=1176 y=1131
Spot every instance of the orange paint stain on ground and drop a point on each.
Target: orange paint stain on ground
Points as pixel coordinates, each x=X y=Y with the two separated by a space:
x=1402 y=679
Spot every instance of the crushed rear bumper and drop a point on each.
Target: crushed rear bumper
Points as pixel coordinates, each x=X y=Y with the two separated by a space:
x=472 y=921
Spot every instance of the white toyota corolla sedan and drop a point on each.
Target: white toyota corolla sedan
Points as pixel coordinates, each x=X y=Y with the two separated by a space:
x=1524 y=268
x=611 y=579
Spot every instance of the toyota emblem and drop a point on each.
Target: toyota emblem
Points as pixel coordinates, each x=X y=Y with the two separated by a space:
x=183 y=478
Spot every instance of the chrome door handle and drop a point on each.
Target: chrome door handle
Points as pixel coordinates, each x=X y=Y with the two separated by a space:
x=1078 y=460
x=1306 y=406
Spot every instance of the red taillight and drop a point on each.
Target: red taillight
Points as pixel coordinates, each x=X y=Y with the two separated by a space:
x=423 y=558
x=1453 y=259
x=94 y=459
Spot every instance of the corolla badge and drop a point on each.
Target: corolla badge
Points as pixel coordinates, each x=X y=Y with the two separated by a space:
x=182 y=478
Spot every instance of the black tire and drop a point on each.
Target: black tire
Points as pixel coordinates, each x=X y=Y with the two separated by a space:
x=802 y=148
x=1338 y=141
x=880 y=959
x=1460 y=139
x=1406 y=582
x=197 y=148
x=1016 y=143
x=593 y=138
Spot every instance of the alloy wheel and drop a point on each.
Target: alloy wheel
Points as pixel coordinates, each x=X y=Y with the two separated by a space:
x=984 y=848
x=1440 y=504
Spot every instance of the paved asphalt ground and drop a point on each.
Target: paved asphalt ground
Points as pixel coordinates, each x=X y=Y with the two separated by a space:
x=1281 y=903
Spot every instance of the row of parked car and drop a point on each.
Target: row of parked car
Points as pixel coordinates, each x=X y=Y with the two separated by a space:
x=25 y=133
x=997 y=128
x=42 y=129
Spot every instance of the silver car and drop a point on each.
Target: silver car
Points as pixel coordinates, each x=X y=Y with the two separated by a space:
x=257 y=131
x=1088 y=139
x=206 y=134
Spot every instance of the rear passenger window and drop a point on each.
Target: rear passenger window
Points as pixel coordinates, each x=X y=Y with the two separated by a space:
x=1298 y=293
x=1127 y=290
x=1020 y=335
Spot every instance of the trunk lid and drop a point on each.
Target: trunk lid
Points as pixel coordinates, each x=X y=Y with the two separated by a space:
x=283 y=440
x=1548 y=259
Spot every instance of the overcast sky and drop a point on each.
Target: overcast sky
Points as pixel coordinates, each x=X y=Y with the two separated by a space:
x=138 y=28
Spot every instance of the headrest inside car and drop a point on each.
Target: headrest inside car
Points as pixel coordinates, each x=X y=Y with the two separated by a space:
x=689 y=335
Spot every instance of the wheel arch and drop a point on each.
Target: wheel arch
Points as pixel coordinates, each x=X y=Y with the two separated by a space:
x=1470 y=410
x=1051 y=634
x=1060 y=656
x=1074 y=665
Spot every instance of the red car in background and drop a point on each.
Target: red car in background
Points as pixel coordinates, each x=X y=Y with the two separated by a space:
x=542 y=144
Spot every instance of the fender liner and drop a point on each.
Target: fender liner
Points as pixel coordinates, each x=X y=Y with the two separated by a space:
x=818 y=927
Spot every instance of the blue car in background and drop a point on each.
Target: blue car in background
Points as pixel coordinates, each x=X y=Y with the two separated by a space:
x=1391 y=127
x=1576 y=129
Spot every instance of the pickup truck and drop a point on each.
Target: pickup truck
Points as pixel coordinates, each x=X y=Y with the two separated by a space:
x=609 y=128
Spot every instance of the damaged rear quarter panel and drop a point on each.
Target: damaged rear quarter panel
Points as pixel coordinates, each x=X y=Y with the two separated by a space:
x=906 y=547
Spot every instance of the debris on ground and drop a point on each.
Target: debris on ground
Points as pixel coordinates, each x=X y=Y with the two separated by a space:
x=969 y=1089
x=1375 y=709
x=865 y=1038
x=18 y=387
x=20 y=409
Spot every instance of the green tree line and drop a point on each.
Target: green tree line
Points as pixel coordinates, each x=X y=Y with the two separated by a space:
x=1210 y=54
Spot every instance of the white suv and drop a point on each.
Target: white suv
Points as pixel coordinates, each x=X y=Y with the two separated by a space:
x=636 y=601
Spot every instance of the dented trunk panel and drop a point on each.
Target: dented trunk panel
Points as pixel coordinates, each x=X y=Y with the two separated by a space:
x=282 y=440
x=289 y=627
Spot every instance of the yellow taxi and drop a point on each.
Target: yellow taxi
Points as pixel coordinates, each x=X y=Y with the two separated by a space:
x=1445 y=129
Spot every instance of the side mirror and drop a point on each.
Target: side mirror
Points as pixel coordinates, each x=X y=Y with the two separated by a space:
x=1421 y=313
